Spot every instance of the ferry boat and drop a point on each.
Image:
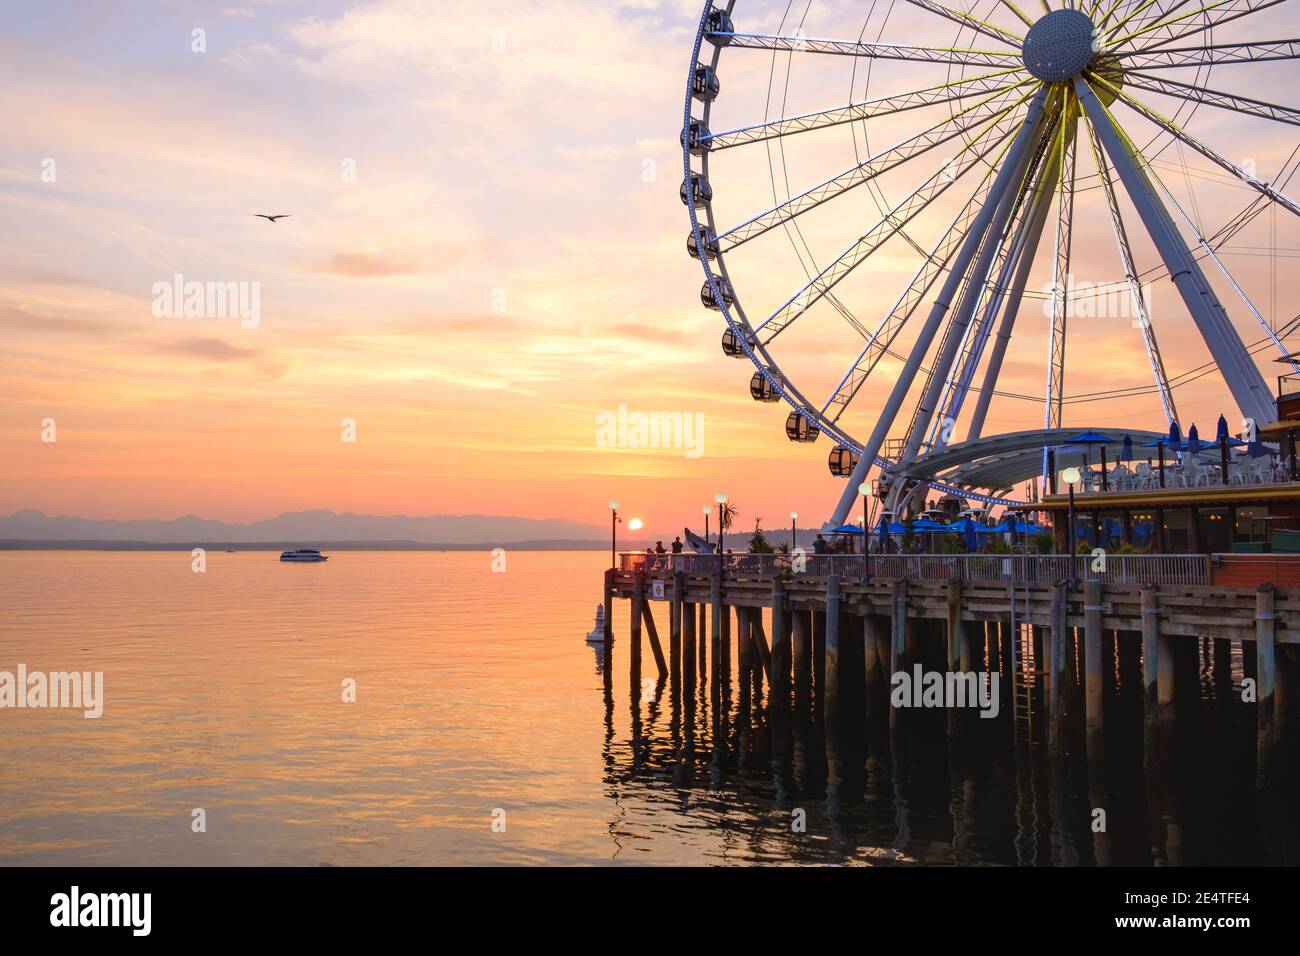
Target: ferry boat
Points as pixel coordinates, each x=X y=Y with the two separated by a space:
x=303 y=555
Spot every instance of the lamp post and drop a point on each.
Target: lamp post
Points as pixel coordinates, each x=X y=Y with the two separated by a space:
x=613 y=534
x=707 y=511
x=1070 y=476
x=794 y=516
x=864 y=489
x=721 y=499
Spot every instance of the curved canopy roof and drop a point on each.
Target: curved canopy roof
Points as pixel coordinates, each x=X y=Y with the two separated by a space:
x=999 y=462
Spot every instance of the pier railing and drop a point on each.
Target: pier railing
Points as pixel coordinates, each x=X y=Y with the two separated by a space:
x=978 y=568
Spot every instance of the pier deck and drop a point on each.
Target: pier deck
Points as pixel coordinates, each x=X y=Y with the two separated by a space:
x=1048 y=625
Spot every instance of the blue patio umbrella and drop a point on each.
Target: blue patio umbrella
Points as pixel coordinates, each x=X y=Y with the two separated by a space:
x=1126 y=454
x=1221 y=431
x=1175 y=435
x=1255 y=449
x=1193 y=442
x=1088 y=438
x=847 y=529
x=925 y=524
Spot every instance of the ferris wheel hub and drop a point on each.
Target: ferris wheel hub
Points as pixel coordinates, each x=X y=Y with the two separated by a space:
x=1059 y=45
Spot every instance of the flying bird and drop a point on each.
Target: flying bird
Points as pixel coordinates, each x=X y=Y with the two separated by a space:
x=262 y=215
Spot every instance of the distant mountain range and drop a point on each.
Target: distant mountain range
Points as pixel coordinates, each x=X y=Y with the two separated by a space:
x=34 y=529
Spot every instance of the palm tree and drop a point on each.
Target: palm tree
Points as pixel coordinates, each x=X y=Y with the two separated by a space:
x=729 y=516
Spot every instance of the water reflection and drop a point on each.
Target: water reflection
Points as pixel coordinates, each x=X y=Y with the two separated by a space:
x=883 y=785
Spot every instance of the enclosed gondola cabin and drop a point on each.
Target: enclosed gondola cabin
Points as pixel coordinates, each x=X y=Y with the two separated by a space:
x=696 y=137
x=731 y=345
x=842 y=461
x=706 y=86
x=798 y=428
x=708 y=242
x=696 y=191
x=762 y=389
x=719 y=27
x=710 y=299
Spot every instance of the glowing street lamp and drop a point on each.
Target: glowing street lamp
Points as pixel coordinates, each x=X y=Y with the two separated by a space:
x=1071 y=477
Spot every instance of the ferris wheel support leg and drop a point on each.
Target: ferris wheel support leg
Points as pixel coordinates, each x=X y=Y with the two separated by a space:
x=1001 y=203
x=1243 y=378
x=1037 y=221
x=1003 y=188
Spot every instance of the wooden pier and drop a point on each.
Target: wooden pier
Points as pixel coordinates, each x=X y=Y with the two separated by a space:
x=1052 y=628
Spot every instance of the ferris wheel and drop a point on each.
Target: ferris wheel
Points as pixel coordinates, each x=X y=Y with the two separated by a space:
x=1025 y=111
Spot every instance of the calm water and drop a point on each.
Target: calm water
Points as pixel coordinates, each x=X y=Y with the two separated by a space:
x=476 y=692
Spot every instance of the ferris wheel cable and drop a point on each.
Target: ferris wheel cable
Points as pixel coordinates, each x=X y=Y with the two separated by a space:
x=974 y=23
x=1269 y=332
x=1120 y=24
x=1262 y=51
x=974 y=259
x=881 y=51
x=1010 y=267
x=1263 y=188
x=1018 y=12
x=979 y=114
x=1243 y=378
x=881 y=231
x=882 y=106
x=1216 y=14
x=926 y=275
x=1154 y=358
x=1210 y=97
x=1055 y=385
x=1247 y=370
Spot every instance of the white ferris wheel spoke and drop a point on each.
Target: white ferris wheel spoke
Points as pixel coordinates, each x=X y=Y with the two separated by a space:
x=888 y=226
x=1210 y=97
x=880 y=51
x=1262 y=187
x=882 y=106
x=961 y=122
x=1223 y=53
x=1216 y=14
x=974 y=23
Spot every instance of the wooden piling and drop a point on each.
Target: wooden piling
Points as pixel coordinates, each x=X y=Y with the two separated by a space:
x=956 y=651
x=898 y=626
x=653 y=632
x=831 y=688
x=1266 y=664
x=759 y=638
x=688 y=648
x=638 y=603
x=1092 y=665
x=1059 y=639
x=675 y=625
x=801 y=653
x=778 y=674
x=1150 y=675
x=609 y=606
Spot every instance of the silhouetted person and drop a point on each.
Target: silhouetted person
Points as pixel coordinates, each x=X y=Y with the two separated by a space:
x=819 y=545
x=677 y=545
x=659 y=548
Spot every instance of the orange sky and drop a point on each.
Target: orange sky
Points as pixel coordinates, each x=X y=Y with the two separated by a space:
x=508 y=264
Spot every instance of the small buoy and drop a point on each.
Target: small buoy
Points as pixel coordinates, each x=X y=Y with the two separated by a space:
x=597 y=635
